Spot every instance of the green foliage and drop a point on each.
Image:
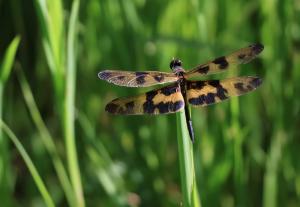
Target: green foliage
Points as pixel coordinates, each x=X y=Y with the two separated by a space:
x=31 y=167
x=246 y=149
x=47 y=140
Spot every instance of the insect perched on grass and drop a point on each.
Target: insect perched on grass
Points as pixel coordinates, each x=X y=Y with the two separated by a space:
x=181 y=92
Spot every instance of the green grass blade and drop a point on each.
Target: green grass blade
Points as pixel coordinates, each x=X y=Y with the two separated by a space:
x=5 y=170
x=186 y=162
x=42 y=13
x=239 y=180
x=270 y=186
x=35 y=175
x=50 y=18
x=8 y=59
x=69 y=110
x=47 y=140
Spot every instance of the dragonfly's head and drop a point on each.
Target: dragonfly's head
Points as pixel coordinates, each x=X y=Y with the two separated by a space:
x=175 y=65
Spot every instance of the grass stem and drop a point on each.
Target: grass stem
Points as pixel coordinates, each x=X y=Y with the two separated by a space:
x=186 y=163
x=69 y=107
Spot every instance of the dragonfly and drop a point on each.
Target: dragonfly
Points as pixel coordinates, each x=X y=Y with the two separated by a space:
x=181 y=91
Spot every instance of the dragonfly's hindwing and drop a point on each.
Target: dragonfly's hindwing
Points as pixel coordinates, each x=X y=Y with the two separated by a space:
x=202 y=93
x=161 y=101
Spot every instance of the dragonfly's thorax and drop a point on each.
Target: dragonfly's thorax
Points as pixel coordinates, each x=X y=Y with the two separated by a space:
x=176 y=67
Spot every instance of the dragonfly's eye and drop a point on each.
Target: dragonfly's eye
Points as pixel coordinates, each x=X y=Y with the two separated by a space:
x=175 y=63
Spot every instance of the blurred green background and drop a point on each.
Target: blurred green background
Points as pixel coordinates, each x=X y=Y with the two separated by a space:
x=246 y=151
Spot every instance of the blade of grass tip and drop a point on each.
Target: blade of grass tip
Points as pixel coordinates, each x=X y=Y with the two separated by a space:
x=50 y=16
x=47 y=139
x=8 y=59
x=32 y=169
x=186 y=163
x=41 y=11
x=5 y=69
x=69 y=111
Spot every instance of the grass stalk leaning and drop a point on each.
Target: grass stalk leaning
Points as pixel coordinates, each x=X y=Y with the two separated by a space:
x=32 y=169
x=186 y=163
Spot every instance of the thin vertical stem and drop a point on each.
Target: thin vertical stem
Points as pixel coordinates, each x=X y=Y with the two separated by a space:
x=69 y=110
x=239 y=180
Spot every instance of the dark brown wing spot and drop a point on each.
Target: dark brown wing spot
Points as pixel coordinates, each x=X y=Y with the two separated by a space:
x=203 y=69
x=159 y=78
x=221 y=93
x=169 y=106
x=221 y=61
x=241 y=56
x=111 y=108
x=257 y=48
x=240 y=86
x=150 y=95
x=195 y=85
x=256 y=82
x=214 y=83
x=129 y=107
x=167 y=91
x=149 y=106
x=203 y=99
x=245 y=87
x=140 y=77
x=121 y=77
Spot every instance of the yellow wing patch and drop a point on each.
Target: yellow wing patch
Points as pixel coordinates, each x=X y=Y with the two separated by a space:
x=161 y=101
